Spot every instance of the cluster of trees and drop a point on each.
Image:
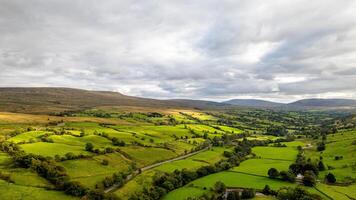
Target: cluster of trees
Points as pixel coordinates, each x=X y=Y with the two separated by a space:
x=115 y=141
x=277 y=131
x=90 y=147
x=308 y=169
x=284 y=175
x=70 y=156
x=116 y=179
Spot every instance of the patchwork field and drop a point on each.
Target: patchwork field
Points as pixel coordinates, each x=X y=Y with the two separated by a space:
x=90 y=146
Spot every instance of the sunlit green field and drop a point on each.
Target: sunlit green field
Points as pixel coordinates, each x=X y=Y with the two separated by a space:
x=52 y=149
x=339 y=144
x=12 y=191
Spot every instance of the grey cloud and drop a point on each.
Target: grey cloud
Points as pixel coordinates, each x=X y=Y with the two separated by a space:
x=172 y=49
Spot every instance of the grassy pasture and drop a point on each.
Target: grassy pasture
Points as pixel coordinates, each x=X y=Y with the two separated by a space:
x=52 y=149
x=27 y=136
x=194 y=162
x=145 y=156
x=228 y=129
x=26 y=177
x=5 y=160
x=200 y=129
x=90 y=171
x=261 y=166
x=19 y=118
x=98 y=141
x=278 y=153
x=339 y=144
x=13 y=191
x=338 y=192
x=135 y=185
x=184 y=193
x=230 y=179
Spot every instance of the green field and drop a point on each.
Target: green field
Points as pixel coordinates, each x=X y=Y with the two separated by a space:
x=52 y=149
x=339 y=144
x=12 y=191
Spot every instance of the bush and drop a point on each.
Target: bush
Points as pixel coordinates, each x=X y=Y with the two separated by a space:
x=321 y=146
x=309 y=178
x=105 y=162
x=89 y=147
x=287 y=176
x=266 y=190
x=330 y=178
x=219 y=187
x=74 y=189
x=273 y=173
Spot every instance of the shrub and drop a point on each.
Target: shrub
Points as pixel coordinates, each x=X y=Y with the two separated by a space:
x=273 y=173
x=309 y=178
x=287 y=176
x=330 y=178
x=105 y=162
x=219 y=187
x=89 y=147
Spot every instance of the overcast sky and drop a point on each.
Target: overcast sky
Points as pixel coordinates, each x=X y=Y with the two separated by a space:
x=277 y=50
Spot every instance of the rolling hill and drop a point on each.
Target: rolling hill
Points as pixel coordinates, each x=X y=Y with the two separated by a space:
x=50 y=100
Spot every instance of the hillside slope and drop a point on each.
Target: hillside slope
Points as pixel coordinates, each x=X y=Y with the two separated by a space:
x=49 y=100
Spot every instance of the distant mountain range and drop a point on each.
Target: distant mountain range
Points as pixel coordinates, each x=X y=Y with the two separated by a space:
x=253 y=103
x=49 y=100
x=303 y=103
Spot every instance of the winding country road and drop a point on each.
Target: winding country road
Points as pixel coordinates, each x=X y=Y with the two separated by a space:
x=138 y=171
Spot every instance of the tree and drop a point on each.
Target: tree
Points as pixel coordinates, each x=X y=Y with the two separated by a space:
x=309 y=178
x=273 y=173
x=266 y=190
x=287 y=176
x=330 y=178
x=89 y=147
x=321 y=146
x=321 y=166
x=105 y=162
x=219 y=187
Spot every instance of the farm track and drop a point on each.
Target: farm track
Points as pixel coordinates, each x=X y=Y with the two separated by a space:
x=137 y=172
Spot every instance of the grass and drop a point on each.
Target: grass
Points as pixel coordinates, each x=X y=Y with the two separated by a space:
x=52 y=149
x=145 y=156
x=90 y=171
x=13 y=191
x=278 y=153
x=27 y=136
x=338 y=192
x=5 y=160
x=184 y=193
x=204 y=158
x=261 y=166
x=339 y=144
x=98 y=141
